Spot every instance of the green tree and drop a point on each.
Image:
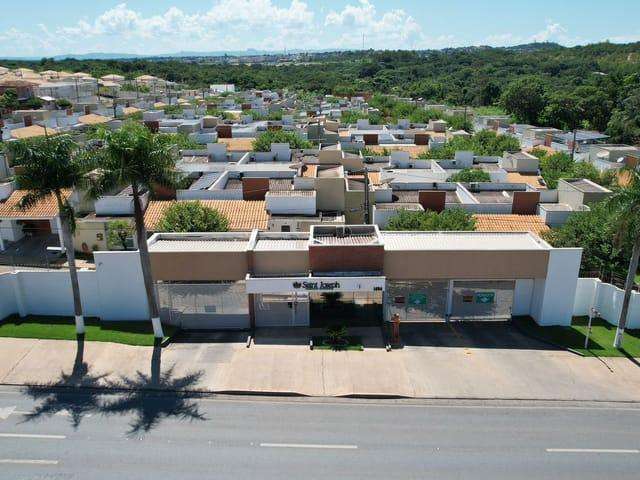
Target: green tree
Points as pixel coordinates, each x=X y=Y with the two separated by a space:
x=118 y=232
x=562 y=111
x=524 y=99
x=192 y=217
x=135 y=156
x=9 y=101
x=263 y=142
x=455 y=219
x=63 y=103
x=468 y=175
x=595 y=232
x=625 y=204
x=55 y=166
x=624 y=126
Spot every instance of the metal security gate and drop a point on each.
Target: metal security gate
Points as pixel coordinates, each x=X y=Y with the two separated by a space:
x=290 y=310
x=423 y=301
x=482 y=300
x=204 y=306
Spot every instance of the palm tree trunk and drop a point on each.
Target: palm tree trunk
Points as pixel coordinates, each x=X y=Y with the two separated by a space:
x=67 y=241
x=628 y=288
x=141 y=236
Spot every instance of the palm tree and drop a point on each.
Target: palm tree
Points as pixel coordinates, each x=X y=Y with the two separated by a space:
x=135 y=156
x=626 y=202
x=54 y=166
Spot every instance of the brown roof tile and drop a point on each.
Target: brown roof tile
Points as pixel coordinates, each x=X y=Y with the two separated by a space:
x=510 y=223
x=46 y=208
x=243 y=215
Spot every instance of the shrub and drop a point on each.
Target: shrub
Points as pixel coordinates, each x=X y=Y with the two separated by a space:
x=469 y=175
x=455 y=219
x=263 y=142
x=192 y=217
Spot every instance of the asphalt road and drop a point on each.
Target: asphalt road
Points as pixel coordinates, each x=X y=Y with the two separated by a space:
x=85 y=435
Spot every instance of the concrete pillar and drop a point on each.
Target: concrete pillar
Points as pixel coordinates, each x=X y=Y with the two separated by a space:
x=59 y=227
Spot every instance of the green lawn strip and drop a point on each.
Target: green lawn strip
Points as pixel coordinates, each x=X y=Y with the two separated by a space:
x=600 y=340
x=63 y=328
x=354 y=344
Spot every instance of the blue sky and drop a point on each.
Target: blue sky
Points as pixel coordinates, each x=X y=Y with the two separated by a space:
x=43 y=27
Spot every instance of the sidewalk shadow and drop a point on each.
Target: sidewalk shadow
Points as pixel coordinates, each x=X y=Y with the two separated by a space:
x=62 y=397
x=150 y=408
x=630 y=357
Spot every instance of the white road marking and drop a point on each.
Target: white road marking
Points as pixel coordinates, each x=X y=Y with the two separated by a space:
x=27 y=461
x=591 y=450
x=32 y=435
x=308 y=445
x=5 y=412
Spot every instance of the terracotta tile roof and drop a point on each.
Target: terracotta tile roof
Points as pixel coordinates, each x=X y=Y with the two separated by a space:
x=309 y=170
x=549 y=150
x=243 y=215
x=413 y=150
x=510 y=223
x=130 y=110
x=531 y=179
x=93 y=119
x=47 y=208
x=238 y=144
x=32 y=131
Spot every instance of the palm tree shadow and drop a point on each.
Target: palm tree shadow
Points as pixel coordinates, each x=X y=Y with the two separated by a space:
x=61 y=397
x=150 y=408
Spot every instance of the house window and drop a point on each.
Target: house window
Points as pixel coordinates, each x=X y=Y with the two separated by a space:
x=285 y=228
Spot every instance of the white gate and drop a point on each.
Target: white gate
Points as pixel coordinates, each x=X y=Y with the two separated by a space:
x=204 y=306
x=290 y=310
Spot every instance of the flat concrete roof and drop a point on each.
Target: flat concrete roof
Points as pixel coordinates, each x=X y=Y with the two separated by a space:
x=461 y=241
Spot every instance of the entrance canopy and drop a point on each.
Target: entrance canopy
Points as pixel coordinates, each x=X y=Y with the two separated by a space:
x=311 y=284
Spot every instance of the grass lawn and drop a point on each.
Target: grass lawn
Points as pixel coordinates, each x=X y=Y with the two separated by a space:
x=63 y=328
x=600 y=340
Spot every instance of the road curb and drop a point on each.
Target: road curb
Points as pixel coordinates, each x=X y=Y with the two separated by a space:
x=289 y=394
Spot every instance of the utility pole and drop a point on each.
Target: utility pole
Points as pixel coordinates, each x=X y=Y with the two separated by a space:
x=573 y=144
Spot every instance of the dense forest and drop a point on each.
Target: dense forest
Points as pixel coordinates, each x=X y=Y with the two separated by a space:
x=595 y=86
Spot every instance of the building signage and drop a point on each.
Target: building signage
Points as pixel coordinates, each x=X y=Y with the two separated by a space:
x=284 y=285
x=331 y=286
x=485 y=298
x=417 y=299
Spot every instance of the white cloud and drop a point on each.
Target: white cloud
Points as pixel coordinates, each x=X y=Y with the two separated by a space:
x=552 y=32
x=242 y=24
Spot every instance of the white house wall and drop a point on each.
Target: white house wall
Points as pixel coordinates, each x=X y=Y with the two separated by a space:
x=522 y=295
x=8 y=305
x=114 y=291
x=556 y=304
x=607 y=300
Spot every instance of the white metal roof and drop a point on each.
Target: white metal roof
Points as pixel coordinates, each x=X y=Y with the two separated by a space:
x=460 y=241
x=187 y=245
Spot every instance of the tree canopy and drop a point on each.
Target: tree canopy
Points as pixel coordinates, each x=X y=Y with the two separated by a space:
x=467 y=175
x=192 y=217
x=455 y=219
x=263 y=142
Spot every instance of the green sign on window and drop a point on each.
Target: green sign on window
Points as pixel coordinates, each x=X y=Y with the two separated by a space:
x=485 y=298
x=417 y=299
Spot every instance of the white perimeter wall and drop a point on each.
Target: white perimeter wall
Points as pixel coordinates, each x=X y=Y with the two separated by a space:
x=114 y=291
x=552 y=301
x=607 y=299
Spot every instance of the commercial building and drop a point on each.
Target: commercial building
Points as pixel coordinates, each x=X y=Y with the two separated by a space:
x=359 y=275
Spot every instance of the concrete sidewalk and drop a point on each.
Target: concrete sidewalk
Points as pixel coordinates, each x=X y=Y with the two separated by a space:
x=415 y=371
